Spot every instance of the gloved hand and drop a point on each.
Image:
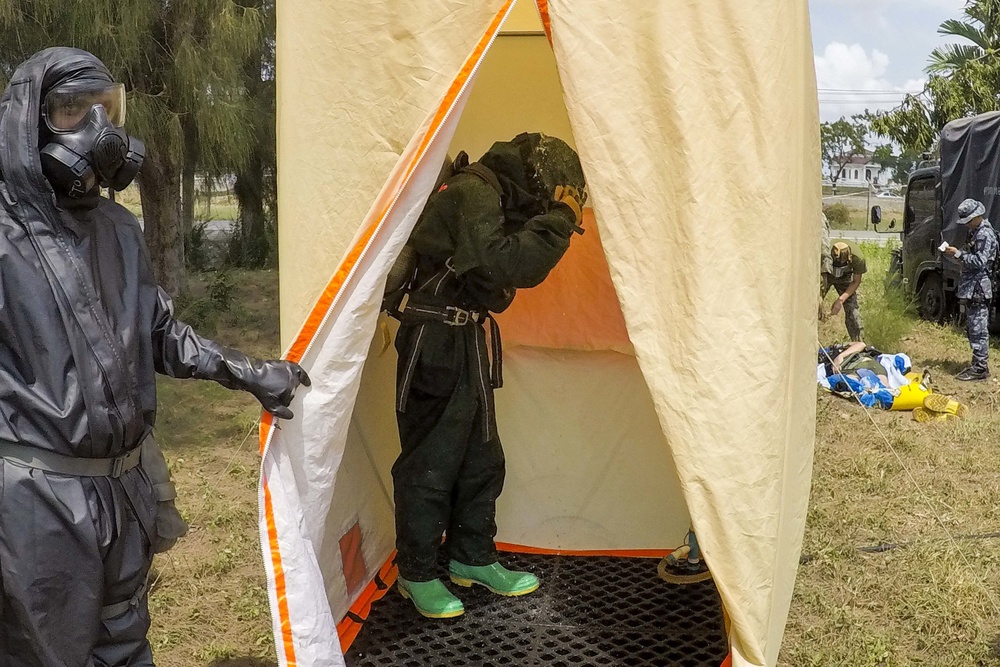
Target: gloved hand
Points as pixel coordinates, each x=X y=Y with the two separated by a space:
x=170 y=526
x=567 y=194
x=274 y=382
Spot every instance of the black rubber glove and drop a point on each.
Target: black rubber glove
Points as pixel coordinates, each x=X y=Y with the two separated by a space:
x=274 y=382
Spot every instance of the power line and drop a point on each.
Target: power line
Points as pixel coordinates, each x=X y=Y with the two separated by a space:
x=867 y=90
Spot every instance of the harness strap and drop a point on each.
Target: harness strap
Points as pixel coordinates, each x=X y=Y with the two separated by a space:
x=119 y=608
x=496 y=345
x=413 y=307
x=76 y=466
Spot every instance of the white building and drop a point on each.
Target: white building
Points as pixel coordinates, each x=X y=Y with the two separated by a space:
x=862 y=170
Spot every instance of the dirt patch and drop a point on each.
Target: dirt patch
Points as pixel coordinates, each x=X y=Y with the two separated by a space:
x=209 y=603
x=881 y=478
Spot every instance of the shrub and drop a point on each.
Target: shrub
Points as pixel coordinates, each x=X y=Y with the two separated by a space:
x=838 y=214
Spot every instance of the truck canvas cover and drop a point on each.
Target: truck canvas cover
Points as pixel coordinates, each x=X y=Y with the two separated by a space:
x=970 y=164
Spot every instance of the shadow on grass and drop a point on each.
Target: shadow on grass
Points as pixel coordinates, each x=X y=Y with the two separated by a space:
x=242 y=662
x=948 y=366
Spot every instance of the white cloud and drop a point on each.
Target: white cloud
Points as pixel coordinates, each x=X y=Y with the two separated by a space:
x=851 y=80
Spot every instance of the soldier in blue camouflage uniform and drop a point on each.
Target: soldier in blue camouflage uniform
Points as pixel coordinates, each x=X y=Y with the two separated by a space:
x=975 y=287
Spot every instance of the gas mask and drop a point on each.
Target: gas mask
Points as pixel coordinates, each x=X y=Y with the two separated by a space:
x=87 y=146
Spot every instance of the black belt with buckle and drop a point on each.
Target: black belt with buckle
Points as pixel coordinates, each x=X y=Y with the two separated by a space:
x=454 y=316
x=77 y=466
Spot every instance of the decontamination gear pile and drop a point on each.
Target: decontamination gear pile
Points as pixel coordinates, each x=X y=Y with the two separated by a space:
x=975 y=288
x=846 y=264
x=490 y=229
x=84 y=328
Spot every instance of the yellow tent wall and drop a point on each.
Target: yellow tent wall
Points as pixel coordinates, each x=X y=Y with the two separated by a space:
x=674 y=110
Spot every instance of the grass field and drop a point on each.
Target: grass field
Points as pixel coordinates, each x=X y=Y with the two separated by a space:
x=221 y=205
x=927 y=602
x=208 y=604
x=930 y=601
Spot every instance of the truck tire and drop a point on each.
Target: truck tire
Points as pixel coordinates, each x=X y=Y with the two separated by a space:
x=931 y=298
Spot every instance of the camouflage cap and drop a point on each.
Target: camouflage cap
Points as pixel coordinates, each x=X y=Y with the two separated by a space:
x=970 y=209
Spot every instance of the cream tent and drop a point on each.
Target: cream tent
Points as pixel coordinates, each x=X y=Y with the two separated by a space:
x=661 y=377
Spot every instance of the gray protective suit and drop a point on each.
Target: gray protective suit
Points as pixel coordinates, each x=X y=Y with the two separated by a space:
x=83 y=330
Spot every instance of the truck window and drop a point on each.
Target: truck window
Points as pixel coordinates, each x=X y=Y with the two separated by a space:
x=921 y=203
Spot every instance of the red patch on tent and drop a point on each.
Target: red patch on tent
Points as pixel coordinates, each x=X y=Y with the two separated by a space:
x=444 y=186
x=355 y=571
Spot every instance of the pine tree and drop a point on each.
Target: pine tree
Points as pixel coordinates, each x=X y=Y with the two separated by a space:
x=182 y=62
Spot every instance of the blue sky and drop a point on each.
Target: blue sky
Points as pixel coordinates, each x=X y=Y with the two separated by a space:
x=876 y=46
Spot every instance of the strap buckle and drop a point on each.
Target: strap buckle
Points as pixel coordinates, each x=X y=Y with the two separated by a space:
x=459 y=316
x=117 y=466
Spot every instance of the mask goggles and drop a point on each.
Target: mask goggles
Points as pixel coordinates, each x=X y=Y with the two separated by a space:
x=66 y=107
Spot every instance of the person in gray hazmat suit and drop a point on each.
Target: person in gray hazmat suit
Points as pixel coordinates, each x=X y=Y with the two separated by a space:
x=492 y=227
x=84 y=328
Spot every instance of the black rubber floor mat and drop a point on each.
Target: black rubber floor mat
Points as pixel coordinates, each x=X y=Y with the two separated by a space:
x=589 y=611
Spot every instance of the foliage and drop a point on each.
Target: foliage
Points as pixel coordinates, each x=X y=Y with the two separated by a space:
x=183 y=64
x=964 y=81
x=901 y=165
x=838 y=214
x=254 y=242
x=981 y=26
x=839 y=142
x=195 y=247
x=887 y=312
x=222 y=291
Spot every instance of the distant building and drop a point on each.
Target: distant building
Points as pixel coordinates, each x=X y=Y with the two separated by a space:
x=860 y=171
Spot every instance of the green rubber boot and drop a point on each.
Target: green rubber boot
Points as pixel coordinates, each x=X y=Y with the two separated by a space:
x=495 y=577
x=431 y=598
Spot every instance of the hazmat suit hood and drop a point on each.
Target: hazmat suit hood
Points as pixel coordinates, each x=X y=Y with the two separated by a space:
x=20 y=123
x=529 y=167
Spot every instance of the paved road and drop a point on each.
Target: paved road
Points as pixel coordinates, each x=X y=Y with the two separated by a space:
x=214 y=229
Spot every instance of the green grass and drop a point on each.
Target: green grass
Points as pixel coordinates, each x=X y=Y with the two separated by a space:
x=841 y=190
x=858 y=219
x=930 y=602
x=220 y=206
x=209 y=604
x=887 y=313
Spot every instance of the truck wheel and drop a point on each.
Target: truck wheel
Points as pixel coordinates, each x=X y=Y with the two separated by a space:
x=931 y=298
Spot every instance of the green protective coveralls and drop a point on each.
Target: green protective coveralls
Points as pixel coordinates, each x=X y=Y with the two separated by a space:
x=482 y=235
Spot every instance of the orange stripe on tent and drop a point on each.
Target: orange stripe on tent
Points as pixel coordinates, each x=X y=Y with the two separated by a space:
x=728 y=662
x=319 y=311
x=349 y=627
x=279 y=580
x=333 y=290
x=543 y=11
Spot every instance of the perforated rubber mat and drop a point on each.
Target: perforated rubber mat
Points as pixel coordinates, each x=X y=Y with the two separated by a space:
x=588 y=611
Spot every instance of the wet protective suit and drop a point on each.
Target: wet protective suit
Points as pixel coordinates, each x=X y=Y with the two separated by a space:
x=490 y=229
x=84 y=328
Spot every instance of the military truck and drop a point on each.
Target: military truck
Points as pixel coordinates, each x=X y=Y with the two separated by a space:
x=969 y=166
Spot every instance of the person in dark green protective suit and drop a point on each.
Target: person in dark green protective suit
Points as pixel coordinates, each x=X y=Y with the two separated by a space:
x=492 y=227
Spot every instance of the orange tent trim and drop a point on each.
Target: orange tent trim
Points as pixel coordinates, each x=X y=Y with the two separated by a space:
x=334 y=289
x=279 y=580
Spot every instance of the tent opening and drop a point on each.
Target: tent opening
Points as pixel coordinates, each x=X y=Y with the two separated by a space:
x=599 y=422
x=588 y=468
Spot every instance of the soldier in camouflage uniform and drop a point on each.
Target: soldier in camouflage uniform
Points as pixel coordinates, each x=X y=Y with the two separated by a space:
x=975 y=287
x=846 y=270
